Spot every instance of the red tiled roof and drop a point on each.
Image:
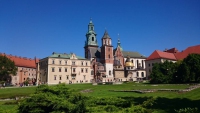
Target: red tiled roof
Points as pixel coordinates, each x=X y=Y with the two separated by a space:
x=172 y=55
x=172 y=50
x=22 y=61
x=160 y=54
x=186 y=52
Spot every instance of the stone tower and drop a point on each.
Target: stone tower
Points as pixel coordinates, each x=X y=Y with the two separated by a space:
x=91 y=40
x=107 y=54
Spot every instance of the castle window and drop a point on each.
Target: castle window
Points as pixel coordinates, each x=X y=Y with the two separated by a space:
x=82 y=63
x=142 y=74
x=109 y=72
x=92 y=38
x=59 y=69
x=54 y=77
x=60 y=77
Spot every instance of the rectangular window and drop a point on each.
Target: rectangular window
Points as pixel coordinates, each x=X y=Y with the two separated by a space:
x=67 y=77
x=65 y=62
x=59 y=69
x=54 y=77
x=73 y=76
x=73 y=63
x=53 y=62
x=65 y=69
x=53 y=69
x=60 y=62
x=86 y=63
x=60 y=77
x=74 y=69
x=81 y=70
x=82 y=63
x=149 y=64
x=86 y=70
x=109 y=72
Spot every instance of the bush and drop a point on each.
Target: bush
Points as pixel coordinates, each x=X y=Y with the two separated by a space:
x=188 y=110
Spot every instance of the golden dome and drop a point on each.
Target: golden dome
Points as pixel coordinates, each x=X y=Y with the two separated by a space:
x=129 y=64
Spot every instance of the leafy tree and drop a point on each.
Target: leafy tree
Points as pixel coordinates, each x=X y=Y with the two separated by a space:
x=163 y=72
x=7 y=67
x=53 y=99
x=193 y=63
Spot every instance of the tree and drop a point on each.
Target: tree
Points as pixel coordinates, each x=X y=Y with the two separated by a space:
x=193 y=63
x=7 y=68
x=163 y=72
x=53 y=99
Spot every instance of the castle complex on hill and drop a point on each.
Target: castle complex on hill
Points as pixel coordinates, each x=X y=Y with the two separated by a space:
x=102 y=63
x=112 y=64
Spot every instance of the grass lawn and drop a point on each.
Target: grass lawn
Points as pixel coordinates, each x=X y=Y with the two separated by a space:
x=16 y=92
x=166 y=101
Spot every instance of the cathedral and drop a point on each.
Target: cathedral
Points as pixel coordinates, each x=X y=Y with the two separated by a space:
x=111 y=64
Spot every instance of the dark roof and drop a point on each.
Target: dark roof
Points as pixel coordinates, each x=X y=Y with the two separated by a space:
x=106 y=35
x=132 y=54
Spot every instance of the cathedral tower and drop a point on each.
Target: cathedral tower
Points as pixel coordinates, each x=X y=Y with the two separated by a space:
x=107 y=54
x=91 y=40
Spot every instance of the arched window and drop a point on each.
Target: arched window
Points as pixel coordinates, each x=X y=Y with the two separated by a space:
x=92 y=38
x=132 y=61
x=137 y=74
x=142 y=63
x=142 y=74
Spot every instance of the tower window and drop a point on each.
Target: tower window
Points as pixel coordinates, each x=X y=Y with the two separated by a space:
x=92 y=28
x=92 y=38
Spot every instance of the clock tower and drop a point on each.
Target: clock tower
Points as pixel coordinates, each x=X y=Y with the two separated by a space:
x=91 y=40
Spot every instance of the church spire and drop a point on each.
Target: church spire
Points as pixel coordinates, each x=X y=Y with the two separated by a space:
x=119 y=44
x=91 y=39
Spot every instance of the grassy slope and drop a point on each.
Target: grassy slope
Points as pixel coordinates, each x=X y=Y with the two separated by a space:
x=166 y=101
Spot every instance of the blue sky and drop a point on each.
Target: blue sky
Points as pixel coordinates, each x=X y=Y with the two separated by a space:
x=30 y=28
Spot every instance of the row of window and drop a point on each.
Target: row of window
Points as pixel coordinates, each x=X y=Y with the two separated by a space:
x=73 y=62
x=29 y=74
x=67 y=77
x=150 y=64
x=27 y=69
x=142 y=73
x=73 y=70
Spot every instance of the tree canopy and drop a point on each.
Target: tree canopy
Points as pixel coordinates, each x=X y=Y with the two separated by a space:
x=183 y=71
x=7 y=67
